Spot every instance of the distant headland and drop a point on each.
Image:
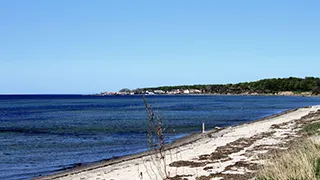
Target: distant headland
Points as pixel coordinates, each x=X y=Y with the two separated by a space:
x=276 y=86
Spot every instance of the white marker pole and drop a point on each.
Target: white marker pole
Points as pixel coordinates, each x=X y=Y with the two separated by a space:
x=203 y=128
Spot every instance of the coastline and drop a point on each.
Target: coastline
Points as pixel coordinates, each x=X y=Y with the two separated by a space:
x=216 y=94
x=183 y=145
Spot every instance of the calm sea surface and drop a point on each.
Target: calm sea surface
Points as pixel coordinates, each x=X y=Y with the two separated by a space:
x=40 y=135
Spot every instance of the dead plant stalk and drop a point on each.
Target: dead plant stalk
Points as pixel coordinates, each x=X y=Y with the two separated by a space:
x=156 y=138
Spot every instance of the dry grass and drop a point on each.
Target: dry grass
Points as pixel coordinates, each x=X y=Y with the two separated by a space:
x=301 y=162
x=156 y=140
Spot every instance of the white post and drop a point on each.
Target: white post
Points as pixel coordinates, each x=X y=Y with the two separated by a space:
x=203 y=128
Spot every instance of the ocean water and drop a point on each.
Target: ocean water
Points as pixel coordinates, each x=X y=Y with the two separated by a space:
x=44 y=134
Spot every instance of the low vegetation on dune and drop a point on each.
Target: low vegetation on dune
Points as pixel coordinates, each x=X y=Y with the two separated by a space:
x=312 y=129
x=302 y=162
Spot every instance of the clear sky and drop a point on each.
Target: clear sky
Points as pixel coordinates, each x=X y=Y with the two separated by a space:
x=75 y=46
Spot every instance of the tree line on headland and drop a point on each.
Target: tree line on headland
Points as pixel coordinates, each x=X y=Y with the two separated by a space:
x=264 y=86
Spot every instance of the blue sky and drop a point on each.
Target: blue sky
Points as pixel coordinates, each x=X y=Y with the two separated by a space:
x=75 y=46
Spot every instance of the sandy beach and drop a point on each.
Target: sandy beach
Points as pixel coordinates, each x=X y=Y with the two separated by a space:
x=230 y=153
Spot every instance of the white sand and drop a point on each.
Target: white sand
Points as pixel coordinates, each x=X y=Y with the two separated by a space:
x=151 y=169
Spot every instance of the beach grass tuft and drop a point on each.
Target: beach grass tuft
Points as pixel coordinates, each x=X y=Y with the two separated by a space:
x=300 y=162
x=312 y=129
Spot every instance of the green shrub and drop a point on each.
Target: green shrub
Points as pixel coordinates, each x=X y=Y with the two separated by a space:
x=311 y=129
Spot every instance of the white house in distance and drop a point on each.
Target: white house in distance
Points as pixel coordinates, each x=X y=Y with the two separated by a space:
x=149 y=93
x=159 y=92
x=187 y=91
x=195 y=91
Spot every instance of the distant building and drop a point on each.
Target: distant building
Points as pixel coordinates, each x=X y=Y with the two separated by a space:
x=195 y=91
x=149 y=93
x=159 y=92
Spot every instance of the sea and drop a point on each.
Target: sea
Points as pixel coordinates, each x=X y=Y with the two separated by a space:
x=45 y=134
